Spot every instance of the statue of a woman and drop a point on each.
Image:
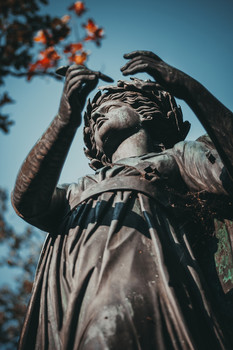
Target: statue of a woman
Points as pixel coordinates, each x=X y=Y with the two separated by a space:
x=121 y=266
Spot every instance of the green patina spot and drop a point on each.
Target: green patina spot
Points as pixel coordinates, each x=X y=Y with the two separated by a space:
x=223 y=256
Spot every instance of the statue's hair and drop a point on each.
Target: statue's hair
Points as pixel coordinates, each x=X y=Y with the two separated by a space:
x=165 y=120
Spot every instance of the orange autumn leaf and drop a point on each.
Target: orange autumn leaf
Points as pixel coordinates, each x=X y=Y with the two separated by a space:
x=65 y=19
x=72 y=48
x=58 y=31
x=91 y=27
x=96 y=36
x=32 y=67
x=94 y=32
x=78 y=59
x=48 y=59
x=78 y=7
x=45 y=63
x=50 y=53
x=41 y=37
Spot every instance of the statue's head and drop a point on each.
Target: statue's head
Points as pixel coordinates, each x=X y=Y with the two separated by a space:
x=155 y=108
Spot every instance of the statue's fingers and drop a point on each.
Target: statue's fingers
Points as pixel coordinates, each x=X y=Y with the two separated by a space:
x=63 y=69
x=104 y=77
x=87 y=88
x=148 y=85
x=98 y=74
x=77 y=82
x=132 y=54
x=137 y=60
x=142 y=53
x=81 y=74
x=137 y=68
x=74 y=86
x=128 y=64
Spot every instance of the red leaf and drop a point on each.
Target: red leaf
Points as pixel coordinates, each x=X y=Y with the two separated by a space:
x=41 y=37
x=50 y=53
x=94 y=33
x=72 y=48
x=48 y=59
x=78 y=59
x=78 y=7
x=65 y=19
x=91 y=27
x=45 y=63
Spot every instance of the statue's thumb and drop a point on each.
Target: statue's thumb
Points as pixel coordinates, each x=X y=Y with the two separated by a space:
x=62 y=70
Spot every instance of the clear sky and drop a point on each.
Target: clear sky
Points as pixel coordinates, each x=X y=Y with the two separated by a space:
x=195 y=36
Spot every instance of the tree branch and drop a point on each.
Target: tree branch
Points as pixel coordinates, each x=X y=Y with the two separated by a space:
x=25 y=74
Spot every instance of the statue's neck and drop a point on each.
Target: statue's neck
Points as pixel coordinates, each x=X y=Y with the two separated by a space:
x=135 y=145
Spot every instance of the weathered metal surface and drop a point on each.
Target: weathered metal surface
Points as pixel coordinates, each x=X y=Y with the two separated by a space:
x=122 y=258
x=224 y=255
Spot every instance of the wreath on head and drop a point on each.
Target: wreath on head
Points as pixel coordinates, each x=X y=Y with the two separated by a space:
x=165 y=119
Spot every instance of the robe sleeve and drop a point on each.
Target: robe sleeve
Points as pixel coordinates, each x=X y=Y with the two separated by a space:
x=59 y=208
x=201 y=168
x=51 y=219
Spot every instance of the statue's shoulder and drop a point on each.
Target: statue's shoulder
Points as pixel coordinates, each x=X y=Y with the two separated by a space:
x=202 y=144
x=77 y=187
x=206 y=140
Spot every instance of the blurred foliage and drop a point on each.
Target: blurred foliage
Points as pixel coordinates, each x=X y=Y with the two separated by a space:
x=20 y=254
x=33 y=44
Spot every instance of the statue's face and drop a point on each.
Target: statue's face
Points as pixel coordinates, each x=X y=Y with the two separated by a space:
x=113 y=122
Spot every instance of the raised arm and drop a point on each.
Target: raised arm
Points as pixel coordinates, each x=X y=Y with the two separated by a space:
x=37 y=179
x=215 y=117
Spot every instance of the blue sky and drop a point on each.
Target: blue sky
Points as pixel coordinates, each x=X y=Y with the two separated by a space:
x=194 y=36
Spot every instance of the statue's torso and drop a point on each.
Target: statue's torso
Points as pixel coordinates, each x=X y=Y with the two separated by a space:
x=120 y=272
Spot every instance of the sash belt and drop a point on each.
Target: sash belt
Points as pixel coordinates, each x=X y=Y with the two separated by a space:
x=123 y=183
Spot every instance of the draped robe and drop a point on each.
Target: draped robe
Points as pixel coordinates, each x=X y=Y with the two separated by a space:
x=119 y=268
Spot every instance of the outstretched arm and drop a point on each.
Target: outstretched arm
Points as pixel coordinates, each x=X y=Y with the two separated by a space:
x=38 y=176
x=215 y=117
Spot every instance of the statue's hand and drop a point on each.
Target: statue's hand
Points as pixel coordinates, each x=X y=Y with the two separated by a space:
x=169 y=77
x=80 y=81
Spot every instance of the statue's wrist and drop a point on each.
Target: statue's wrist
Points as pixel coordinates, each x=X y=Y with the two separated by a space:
x=190 y=87
x=69 y=119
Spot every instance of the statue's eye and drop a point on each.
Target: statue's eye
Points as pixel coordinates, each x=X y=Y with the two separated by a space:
x=110 y=107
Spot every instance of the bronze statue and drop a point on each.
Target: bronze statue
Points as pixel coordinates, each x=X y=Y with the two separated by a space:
x=129 y=259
